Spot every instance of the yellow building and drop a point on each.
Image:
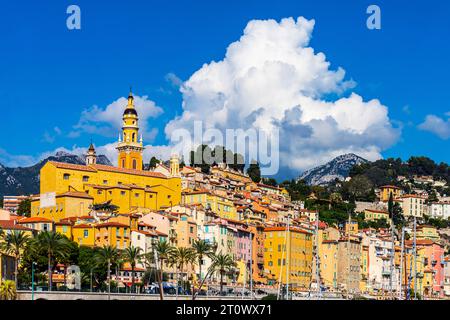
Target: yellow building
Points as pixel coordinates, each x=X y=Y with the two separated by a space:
x=292 y=252
x=68 y=190
x=328 y=253
x=112 y=234
x=427 y=232
x=218 y=204
x=386 y=191
x=363 y=283
x=84 y=234
x=371 y=214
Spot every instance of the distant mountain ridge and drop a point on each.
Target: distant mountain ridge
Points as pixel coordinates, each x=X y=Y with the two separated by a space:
x=25 y=180
x=338 y=168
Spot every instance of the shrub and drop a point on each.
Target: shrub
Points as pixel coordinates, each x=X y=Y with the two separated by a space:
x=8 y=290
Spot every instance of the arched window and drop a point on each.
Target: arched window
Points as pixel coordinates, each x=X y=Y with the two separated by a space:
x=134 y=163
x=123 y=163
x=134 y=138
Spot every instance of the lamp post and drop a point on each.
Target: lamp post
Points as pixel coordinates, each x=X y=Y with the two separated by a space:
x=91 y=279
x=32 y=280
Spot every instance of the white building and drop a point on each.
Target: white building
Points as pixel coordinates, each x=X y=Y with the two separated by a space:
x=440 y=210
x=379 y=266
x=413 y=205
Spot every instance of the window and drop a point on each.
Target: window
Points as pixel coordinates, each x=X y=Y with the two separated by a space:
x=99 y=192
x=86 y=233
x=85 y=178
x=66 y=176
x=136 y=195
x=105 y=181
x=64 y=229
x=45 y=227
x=134 y=162
x=123 y=163
x=119 y=183
x=122 y=193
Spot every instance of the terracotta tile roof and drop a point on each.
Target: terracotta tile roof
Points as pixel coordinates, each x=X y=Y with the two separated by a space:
x=284 y=229
x=377 y=211
x=34 y=220
x=10 y=225
x=82 y=225
x=412 y=196
x=111 y=224
x=197 y=192
x=64 y=223
x=71 y=166
x=103 y=167
x=390 y=186
x=75 y=194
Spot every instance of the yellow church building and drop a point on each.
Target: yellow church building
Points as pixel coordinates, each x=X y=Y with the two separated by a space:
x=69 y=190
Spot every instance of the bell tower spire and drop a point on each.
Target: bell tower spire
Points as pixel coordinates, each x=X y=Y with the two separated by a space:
x=91 y=155
x=129 y=148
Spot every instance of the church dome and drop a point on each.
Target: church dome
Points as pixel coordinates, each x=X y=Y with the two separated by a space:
x=130 y=111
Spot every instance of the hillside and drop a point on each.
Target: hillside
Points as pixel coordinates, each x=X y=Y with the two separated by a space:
x=338 y=168
x=25 y=180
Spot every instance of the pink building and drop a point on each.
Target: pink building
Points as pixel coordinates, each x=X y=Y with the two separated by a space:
x=434 y=262
x=160 y=221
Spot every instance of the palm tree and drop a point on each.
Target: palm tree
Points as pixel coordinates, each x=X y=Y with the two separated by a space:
x=164 y=251
x=183 y=256
x=8 y=290
x=14 y=243
x=222 y=263
x=132 y=255
x=107 y=255
x=201 y=249
x=54 y=245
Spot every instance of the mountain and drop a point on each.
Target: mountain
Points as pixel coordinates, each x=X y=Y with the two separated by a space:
x=338 y=168
x=25 y=180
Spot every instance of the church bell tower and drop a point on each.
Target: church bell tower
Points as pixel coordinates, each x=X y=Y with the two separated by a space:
x=129 y=147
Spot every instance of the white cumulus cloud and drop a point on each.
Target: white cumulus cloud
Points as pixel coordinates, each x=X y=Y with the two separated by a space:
x=437 y=125
x=108 y=121
x=272 y=79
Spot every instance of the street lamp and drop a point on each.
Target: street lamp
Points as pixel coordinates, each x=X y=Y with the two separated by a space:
x=32 y=280
x=91 y=278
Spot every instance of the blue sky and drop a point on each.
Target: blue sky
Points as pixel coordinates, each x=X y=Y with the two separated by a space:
x=50 y=74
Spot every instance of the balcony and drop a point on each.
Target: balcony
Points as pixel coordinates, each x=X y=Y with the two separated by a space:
x=386 y=272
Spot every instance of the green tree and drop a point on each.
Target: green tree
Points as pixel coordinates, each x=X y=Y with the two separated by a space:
x=222 y=264
x=181 y=258
x=24 y=208
x=107 y=256
x=269 y=181
x=153 y=163
x=254 y=172
x=132 y=255
x=358 y=188
x=14 y=243
x=201 y=250
x=87 y=262
x=164 y=251
x=54 y=246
